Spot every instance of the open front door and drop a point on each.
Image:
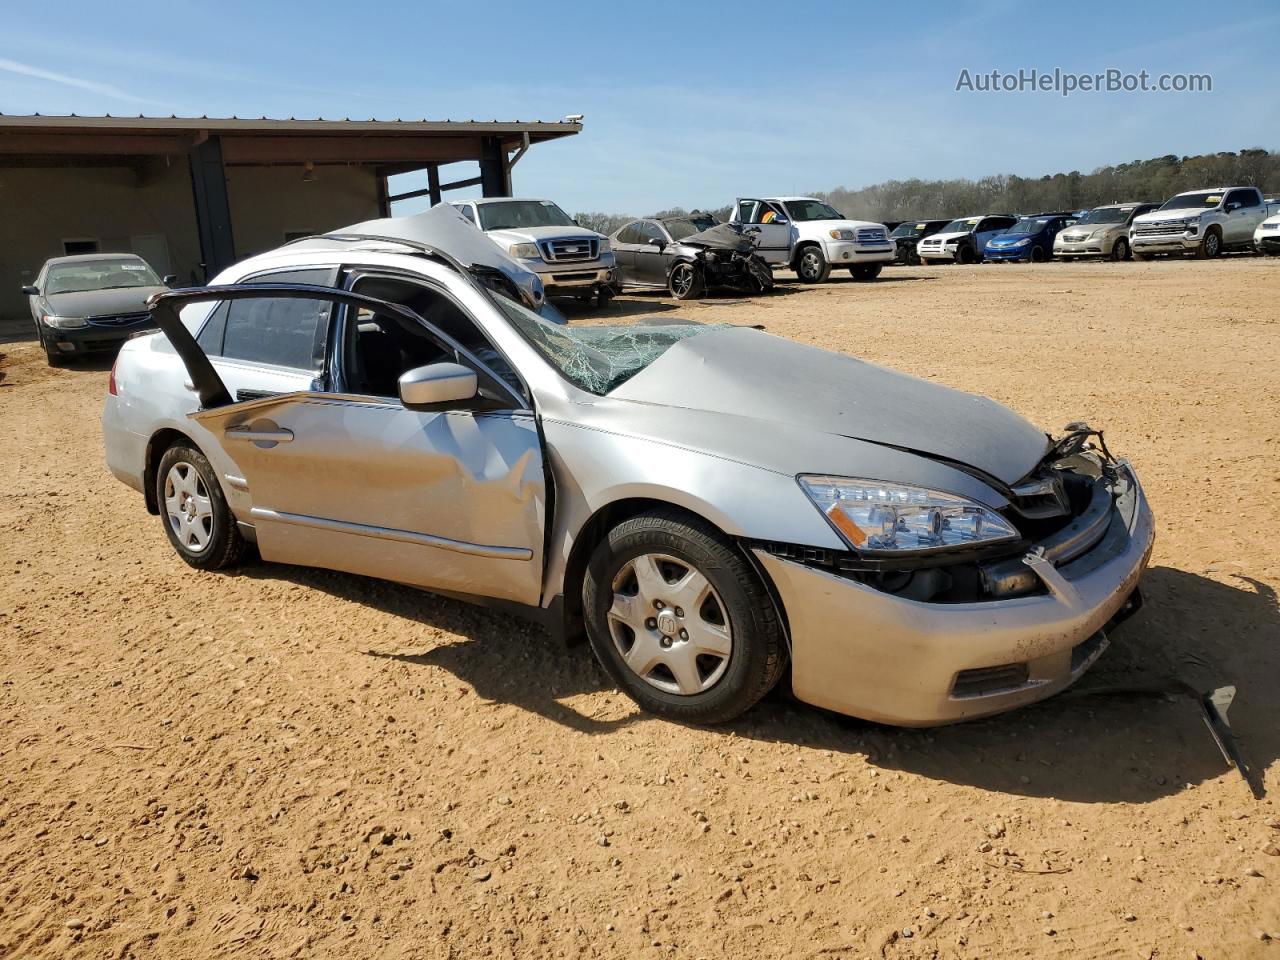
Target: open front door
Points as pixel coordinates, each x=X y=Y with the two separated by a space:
x=449 y=499
x=770 y=226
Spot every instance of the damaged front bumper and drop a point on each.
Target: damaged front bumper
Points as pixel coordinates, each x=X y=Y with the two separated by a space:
x=870 y=654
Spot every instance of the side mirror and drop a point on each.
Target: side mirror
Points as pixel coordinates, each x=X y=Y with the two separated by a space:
x=170 y=279
x=1232 y=206
x=437 y=386
x=31 y=291
x=655 y=242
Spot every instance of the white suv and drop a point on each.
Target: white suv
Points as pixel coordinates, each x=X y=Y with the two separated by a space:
x=570 y=260
x=811 y=237
x=1201 y=222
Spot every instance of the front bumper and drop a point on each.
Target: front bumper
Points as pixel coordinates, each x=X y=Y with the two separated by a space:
x=1267 y=241
x=1090 y=247
x=859 y=651
x=847 y=253
x=562 y=278
x=1007 y=253
x=93 y=338
x=1166 y=243
x=938 y=253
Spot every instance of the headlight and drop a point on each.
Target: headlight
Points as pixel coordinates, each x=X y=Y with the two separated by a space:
x=525 y=251
x=604 y=245
x=64 y=323
x=1023 y=242
x=952 y=243
x=875 y=517
x=841 y=234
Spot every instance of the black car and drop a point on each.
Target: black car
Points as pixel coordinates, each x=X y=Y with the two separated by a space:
x=908 y=233
x=91 y=302
x=688 y=255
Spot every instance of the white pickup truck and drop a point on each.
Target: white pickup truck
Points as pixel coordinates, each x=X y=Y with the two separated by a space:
x=1202 y=223
x=811 y=237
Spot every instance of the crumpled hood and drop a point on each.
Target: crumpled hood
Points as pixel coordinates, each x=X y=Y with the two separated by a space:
x=781 y=384
x=100 y=303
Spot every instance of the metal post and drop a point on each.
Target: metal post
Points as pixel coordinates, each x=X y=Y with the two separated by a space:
x=433 y=183
x=495 y=176
x=213 y=209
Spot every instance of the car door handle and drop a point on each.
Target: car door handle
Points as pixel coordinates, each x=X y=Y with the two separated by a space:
x=279 y=435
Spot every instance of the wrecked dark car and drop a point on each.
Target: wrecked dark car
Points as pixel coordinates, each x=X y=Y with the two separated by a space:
x=907 y=234
x=688 y=256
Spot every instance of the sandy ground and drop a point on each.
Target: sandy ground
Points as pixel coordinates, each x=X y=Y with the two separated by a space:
x=278 y=762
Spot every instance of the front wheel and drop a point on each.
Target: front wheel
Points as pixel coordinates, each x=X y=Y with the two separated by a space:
x=1120 y=251
x=686 y=281
x=196 y=516
x=1037 y=254
x=965 y=255
x=1210 y=246
x=865 y=271
x=812 y=265
x=680 y=620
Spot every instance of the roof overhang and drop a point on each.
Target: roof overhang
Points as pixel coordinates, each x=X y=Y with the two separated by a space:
x=37 y=140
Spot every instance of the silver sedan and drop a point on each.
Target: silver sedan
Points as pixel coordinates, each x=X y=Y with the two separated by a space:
x=714 y=508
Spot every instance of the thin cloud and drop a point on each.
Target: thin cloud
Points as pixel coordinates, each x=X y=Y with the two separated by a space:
x=104 y=89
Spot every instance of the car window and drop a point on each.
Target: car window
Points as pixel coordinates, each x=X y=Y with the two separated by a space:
x=1246 y=198
x=649 y=231
x=377 y=348
x=768 y=213
x=630 y=233
x=745 y=209
x=466 y=210
x=280 y=331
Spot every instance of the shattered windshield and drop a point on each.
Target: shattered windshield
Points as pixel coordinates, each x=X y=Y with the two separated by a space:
x=599 y=359
x=681 y=227
x=513 y=214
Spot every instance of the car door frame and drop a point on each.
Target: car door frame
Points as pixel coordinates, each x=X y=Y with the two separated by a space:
x=773 y=240
x=652 y=261
x=502 y=571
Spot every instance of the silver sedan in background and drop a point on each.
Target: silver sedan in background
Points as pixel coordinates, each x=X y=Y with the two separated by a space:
x=713 y=507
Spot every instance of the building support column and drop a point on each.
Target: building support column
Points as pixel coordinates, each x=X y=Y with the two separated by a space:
x=495 y=175
x=213 y=208
x=433 y=183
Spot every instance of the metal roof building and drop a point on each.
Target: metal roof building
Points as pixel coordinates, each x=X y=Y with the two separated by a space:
x=196 y=194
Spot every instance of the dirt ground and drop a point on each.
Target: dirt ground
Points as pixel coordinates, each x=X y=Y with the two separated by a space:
x=277 y=762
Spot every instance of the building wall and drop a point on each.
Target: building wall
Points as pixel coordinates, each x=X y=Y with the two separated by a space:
x=153 y=214
x=269 y=202
x=121 y=209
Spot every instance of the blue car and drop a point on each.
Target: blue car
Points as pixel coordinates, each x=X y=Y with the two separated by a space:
x=1030 y=239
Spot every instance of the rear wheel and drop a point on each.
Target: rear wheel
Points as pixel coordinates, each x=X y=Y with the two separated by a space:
x=195 y=514
x=812 y=265
x=686 y=281
x=865 y=271
x=965 y=255
x=1210 y=246
x=1120 y=251
x=680 y=620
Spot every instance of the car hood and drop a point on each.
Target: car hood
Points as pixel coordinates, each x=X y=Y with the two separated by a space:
x=824 y=225
x=443 y=228
x=776 y=382
x=1176 y=213
x=534 y=234
x=944 y=237
x=1009 y=239
x=1275 y=219
x=99 y=303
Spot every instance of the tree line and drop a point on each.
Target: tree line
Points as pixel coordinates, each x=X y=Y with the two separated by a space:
x=1153 y=180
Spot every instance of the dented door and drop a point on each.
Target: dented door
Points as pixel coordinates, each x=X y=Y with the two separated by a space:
x=451 y=500
x=448 y=500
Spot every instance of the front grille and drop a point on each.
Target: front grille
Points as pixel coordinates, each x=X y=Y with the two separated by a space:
x=570 y=250
x=571 y=277
x=1075 y=237
x=986 y=681
x=1271 y=226
x=120 y=320
x=871 y=235
x=1159 y=229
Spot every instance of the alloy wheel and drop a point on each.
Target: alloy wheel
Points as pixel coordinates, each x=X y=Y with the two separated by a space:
x=669 y=625
x=187 y=506
x=810 y=265
x=682 y=280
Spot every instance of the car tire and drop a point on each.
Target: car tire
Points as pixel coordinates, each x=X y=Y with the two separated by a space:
x=812 y=265
x=1036 y=255
x=965 y=255
x=680 y=557
x=204 y=533
x=686 y=282
x=1210 y=246
x=865 y=271
x=55 y=358
x=1120 y=250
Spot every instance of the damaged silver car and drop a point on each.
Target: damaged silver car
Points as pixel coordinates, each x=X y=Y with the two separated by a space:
x=714 y=508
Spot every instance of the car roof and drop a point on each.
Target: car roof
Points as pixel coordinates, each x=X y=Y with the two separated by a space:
x=484 y=200
x=90 y=257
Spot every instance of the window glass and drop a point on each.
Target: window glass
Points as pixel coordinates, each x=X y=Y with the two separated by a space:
x=649 y=231
x=108 y=273
x=210 y=338
x=1246 y=198
x=284 y=332
x=745 y=209
x=630 y=233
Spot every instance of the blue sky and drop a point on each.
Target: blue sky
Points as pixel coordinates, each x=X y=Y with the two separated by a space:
x=686 y=103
